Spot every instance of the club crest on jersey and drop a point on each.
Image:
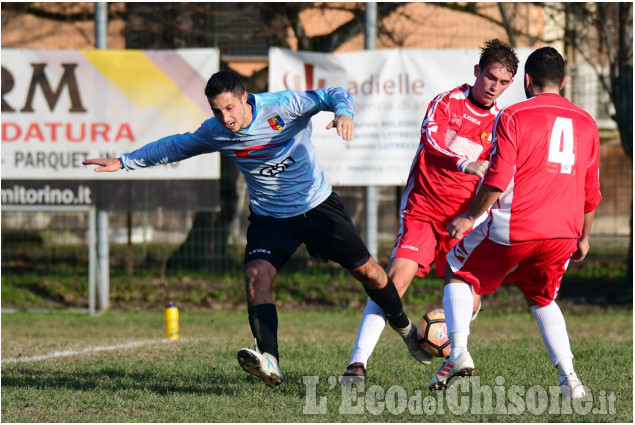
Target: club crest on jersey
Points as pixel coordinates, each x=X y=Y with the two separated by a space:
x=486 y=138
x=276 y=122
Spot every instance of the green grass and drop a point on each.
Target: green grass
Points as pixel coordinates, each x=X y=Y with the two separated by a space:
x=324 y=286
x=34 y=277
x=197 y=378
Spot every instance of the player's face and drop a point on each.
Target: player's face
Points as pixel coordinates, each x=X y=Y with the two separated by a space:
x=232 y=111
x=490 y=83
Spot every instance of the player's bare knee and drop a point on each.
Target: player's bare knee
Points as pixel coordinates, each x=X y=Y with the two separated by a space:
x=254 y=277
x=251 y=275
x=371 y=275
x=400 y=284
x=477 y=303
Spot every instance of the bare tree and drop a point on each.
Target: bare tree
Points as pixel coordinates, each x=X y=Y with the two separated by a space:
x=599 y=34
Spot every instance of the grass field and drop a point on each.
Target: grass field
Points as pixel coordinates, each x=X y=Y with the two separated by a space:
x=197 y=378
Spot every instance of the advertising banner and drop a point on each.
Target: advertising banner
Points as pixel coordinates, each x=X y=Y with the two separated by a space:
x=60 y=107
x=391 y=90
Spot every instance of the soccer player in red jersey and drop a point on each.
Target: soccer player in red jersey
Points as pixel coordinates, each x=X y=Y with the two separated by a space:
x=456 y=137
x=543 y=186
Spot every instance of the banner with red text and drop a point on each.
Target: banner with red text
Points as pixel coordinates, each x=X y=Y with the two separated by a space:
x=60 y=107
x=391 y=89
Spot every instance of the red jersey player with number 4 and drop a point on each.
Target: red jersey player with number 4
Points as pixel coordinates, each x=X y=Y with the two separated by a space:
x=456 y=139
x=543 y=186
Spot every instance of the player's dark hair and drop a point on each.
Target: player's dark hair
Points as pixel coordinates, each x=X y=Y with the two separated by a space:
x=546 y=67
x=224 y=81
x=496 y=51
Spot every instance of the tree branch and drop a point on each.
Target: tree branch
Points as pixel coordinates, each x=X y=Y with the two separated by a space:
x=507 y=24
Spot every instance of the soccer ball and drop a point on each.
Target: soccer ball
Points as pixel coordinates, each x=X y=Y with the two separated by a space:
x=432 y=334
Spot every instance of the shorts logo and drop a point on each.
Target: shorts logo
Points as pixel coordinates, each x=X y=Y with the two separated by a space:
x=459 y=251
x=259 y=250
x=414 y=248
x=276 y=123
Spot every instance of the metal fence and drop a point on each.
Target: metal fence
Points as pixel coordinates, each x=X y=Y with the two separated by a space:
x=51 y=251
x=42 y=246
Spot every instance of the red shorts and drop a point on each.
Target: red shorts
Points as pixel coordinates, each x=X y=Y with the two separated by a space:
x=423 y=242
x=484 y=264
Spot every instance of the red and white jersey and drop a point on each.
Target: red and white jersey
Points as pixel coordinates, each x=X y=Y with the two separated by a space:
x=455 y=131
x=545 y=159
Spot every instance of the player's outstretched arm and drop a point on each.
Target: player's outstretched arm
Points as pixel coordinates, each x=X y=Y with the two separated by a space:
x=344 y=125
x=105 y=164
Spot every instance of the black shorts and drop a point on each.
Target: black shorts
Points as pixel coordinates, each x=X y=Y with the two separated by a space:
x=326 y=230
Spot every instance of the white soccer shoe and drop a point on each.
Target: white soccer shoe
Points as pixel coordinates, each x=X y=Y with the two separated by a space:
x=413 y=345
x=263 y=365
x=461 y=366
x=572 y=388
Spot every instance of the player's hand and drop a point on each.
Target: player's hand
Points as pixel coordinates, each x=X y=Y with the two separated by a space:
x=477 y=168
x=105 y=164
x=581 y=252
x=460 y=226
x=344 y=125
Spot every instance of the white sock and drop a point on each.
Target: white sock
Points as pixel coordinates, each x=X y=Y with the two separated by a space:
x=370 y=329
x=565 y=369
x=554 y=334
x=457 y=304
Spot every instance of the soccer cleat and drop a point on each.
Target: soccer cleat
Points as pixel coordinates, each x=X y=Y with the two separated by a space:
x=572 y=388
x=461 y=366
x=413 y=345
x=263 y=365
x=355 y=374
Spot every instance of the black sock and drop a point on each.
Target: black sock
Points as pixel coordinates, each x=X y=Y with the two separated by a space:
x=263 y=320
x=388 y=299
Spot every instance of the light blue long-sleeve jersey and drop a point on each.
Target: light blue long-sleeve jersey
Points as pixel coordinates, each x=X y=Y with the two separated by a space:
x=275 y=153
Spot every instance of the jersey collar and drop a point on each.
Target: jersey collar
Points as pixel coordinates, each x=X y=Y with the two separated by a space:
x=252 y=101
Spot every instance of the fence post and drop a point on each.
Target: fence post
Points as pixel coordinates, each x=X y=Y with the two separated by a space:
x=370 y=35
x=103 y=249
x=92 y=259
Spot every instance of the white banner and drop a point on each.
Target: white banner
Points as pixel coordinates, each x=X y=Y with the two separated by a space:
x=391 y=89
x=60 y=107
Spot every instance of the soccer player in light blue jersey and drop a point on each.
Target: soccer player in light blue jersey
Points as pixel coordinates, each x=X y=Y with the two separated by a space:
x=268 y=136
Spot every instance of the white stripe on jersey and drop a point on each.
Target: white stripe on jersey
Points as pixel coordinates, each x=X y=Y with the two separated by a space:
x=461 y=252
x=432 y=128
x=500 y=214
